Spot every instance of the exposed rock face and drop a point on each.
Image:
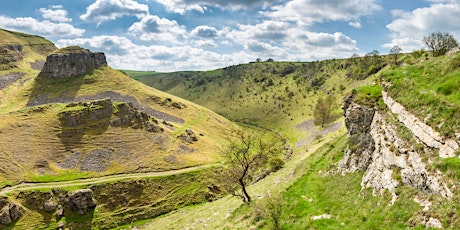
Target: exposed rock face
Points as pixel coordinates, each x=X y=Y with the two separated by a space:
x=81 y=200
x=358 y=119
x=72 y=62
x=422 y=131
x=376 y=148
x=9 y=212
x=11 y=53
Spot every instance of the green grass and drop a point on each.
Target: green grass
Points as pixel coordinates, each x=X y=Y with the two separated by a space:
x=369 y=94
x=430 y=90
x=63 y=175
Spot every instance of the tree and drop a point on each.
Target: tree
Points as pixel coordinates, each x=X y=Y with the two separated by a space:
x=440 y=43
x=324 y=108
x=246 y=153
x=394 y=52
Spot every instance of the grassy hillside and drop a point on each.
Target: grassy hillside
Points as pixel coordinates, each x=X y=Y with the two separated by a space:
x=31 y=133
x=274 y=95
x=430 y=90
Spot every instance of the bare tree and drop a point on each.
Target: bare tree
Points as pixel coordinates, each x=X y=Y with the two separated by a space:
x=246 y=152
x=440 y=43
x=394 y=52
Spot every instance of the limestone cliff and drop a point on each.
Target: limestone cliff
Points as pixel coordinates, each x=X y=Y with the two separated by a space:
x=72 y=62
x=388 y=160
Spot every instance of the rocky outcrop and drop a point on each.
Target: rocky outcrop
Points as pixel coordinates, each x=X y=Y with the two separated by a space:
x=98 y=115
x=11 y=53
x=375 y=147
x=358 y=119
x=423 y=132
x=81 y=201
x=72 y=62
x=9 y=211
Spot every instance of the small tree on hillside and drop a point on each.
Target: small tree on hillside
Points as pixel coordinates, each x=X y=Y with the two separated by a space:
x=394 y=52
x=324 y=108
x=440 y=43
x=246 y=153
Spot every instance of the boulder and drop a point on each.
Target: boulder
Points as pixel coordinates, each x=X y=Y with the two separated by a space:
x=82 y=200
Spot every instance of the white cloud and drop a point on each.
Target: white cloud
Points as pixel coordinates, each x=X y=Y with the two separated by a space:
x=307 y=12
x=409 y=28
x=205 y=32
x=106 y=10
x=290 y=42
x=355 y=24
x=55 y=13
x=43 y=28
x=153 y=28
x=123 y=53
x=182 y=6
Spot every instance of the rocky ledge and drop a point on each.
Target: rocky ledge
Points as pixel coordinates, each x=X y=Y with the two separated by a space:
x=72 y=62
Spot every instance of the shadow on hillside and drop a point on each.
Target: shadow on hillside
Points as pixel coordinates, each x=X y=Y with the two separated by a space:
x=47 y=90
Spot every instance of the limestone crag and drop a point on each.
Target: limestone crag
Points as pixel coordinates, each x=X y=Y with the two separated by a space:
x=9 y=211
x=97 y=115
x=11 y=53
x=358 y=119
x=376 y=148
x=72 y=62
x=81 y=201
x=423 y=132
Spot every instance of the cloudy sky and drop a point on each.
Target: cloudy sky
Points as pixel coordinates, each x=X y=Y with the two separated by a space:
x=171 y=35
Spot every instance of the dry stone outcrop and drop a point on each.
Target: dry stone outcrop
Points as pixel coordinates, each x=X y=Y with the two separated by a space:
x=72 y=62
x=9 y=211
x=376 y=148
x=81 y=201
x=423 y=132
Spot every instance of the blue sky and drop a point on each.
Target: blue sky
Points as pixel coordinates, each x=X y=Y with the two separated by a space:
x=171 y=35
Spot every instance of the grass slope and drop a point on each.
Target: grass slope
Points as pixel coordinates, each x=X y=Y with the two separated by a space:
x=30 y=143
x=274 y=95
x=429 y=90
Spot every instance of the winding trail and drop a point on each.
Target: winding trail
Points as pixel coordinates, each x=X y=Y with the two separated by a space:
x=97 y=180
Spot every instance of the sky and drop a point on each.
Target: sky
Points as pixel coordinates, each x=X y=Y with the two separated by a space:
x=174 y=35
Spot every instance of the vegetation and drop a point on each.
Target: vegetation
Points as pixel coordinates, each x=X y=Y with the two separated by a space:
x=323 y=111
x=247 y=153
x=440 y=43
x=428 y=90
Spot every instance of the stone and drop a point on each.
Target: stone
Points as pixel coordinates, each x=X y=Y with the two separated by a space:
x=82 y=200
x=11 y=212
x=49 y=205
x=419 y=129
x=321 y=217
x=72 y=62
x=433 y=223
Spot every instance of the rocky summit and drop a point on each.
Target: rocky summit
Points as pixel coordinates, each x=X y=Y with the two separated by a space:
x=72 y=62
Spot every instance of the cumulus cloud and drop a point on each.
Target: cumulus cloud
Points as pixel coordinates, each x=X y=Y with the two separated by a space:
x=182 y=6
x=154 y=28
x=287 y=41
x=121 y=52
x=307 y=12
x=355 y=24
x=43 y=28
x=409 y=28
x=106 y=10
x=55 y=13
x=205 y=32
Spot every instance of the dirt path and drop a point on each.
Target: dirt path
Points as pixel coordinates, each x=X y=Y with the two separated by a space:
x=98 y=180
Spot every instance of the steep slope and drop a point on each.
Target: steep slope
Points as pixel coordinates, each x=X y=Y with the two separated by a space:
x=80 y=117
x=397 y=167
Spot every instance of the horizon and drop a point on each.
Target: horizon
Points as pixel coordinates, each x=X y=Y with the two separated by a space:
x=179 y=35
